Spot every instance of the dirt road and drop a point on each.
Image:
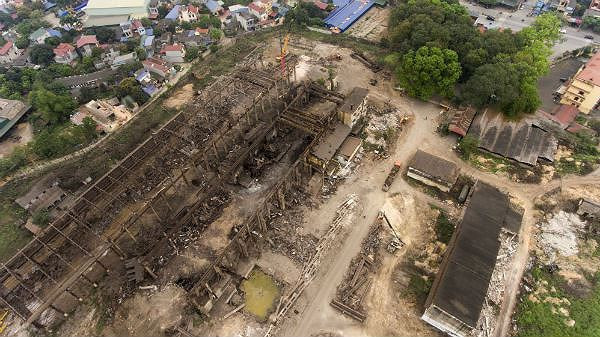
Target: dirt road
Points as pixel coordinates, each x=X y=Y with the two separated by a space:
x=317 y=316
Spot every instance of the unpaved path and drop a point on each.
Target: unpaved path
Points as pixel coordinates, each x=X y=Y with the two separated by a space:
x=317 y=316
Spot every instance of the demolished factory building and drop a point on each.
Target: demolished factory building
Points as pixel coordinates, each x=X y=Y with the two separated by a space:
x=459 y=290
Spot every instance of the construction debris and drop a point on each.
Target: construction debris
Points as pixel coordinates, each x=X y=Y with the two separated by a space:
x=495 y=294
x=357 y=282
x=344 y=215
x=364 y=60
x=559 y=235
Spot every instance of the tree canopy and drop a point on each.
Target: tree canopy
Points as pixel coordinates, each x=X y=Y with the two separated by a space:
x=41 y=54
x=428 y=71
x=499 y=68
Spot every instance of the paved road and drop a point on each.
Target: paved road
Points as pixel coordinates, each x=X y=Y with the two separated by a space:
x=574 y=38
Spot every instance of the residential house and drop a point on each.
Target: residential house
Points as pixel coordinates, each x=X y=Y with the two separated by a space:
x=110 y=12
x=150 y=90
x=258 y=11
x=9 y=52
x=173 y=14
x=143 y=76
x=583 y=91
x=188 y=13
x=64 y=53
x=246 y=20
x=126 y=29
x=213 y=6
x=267 y=5
x=173 y=53
x=153 y=10
x=40 y=35
x=124 y=59
x=147 y=43
x=433 y=171
x=137 y=27
x=159 y=67
x=86 y=43
x=106 y=113
x=192 y=38
x=11 y=112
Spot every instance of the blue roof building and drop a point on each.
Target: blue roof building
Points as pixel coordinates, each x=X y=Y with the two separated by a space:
x=347 y=12
x=150 y=90
x=213 y=6
x=149 y=31
x=173 y=13
x=48 y=5
x=54 y=32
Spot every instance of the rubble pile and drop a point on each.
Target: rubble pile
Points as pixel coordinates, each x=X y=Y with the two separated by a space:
x=495 y=294
x=357 y=282
x=559 y=235
x=287 y=239
x=344 y=216
x=382 y=127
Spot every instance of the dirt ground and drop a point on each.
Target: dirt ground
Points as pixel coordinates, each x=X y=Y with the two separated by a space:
x=20 y=134
x=373 y=25
x=180 y=97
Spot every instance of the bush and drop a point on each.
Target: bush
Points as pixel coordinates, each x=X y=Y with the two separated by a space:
x=467 y=146
x=444 y=228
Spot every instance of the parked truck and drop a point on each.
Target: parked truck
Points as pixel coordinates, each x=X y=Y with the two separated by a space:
x=391 y=176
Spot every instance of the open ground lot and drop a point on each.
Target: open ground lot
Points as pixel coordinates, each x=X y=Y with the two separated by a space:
x=227 y=230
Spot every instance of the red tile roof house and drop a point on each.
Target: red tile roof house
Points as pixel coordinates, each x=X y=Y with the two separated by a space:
x=158 y=67
x=64 y=53
x=8 y=52
x=86 y=43
x=173 y=53
x=257 y=11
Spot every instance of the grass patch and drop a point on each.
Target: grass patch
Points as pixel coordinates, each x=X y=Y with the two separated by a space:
x=537 y=319
x=419 y=287
x=444 y=227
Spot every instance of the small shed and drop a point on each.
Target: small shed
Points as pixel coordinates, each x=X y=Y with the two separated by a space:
x=433 y=171
x=41 y=197
x=588 y=209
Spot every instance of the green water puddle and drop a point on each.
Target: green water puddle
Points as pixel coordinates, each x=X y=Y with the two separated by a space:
x=261 y=293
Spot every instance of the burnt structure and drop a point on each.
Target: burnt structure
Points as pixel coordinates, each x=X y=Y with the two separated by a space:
x=170 y=180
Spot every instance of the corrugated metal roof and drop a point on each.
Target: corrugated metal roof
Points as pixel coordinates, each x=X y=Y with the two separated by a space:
x=173 y=13
x=347 y=13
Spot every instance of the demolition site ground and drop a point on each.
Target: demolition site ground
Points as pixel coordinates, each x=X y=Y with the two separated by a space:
x=218 y=225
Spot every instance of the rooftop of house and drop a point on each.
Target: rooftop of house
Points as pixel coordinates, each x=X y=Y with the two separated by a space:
x=173 y=13
x=6 y=48
x=63 y=49
x=9 y=109
x=434 y=166
x=461 y=284
x=98 y=4
x=36 y=34
x=591 y=71
x=212 y=5
x=172 y=47
x=85 y=40
x=192 y=9
x=256 y=7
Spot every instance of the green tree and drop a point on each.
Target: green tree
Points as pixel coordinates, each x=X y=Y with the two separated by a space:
x=429 y=71
x=50 y=107
x=41 y=54
x=22 y=42
x=52 y=41
x=191 y=53
x=147 y=23
x=215 y=34
x=41 y=218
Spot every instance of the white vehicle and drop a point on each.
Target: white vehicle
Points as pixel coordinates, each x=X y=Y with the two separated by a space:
x=563 y=31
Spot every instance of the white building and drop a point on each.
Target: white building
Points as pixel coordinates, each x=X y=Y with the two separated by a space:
x=110 y=12
x=9 y=52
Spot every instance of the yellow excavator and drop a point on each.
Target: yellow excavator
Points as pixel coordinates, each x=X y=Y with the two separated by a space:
x=284 y=51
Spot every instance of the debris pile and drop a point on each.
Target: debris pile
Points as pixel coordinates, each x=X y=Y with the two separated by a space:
x=357 y=282
x=382 y=128
x=495 y=294
x=287 y=239
x=559 y=235
x=344 y=216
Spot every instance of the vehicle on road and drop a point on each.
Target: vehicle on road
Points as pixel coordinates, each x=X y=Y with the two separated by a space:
x=563 y=31
x=589 y=37
x=391 y=176
x=491 y=18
